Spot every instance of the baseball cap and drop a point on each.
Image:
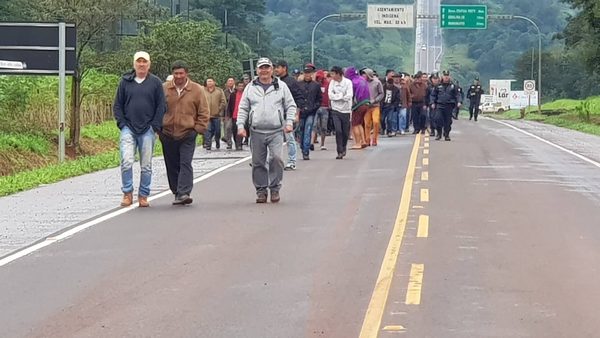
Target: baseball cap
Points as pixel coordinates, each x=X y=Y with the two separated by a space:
x=142 y=55
x=264 y=62
x=309 y=68
x=369 y=73
x=296 y=71
x=281 y=63
x=446 y=72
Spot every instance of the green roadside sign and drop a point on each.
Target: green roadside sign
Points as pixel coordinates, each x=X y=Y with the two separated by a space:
x=463 y=17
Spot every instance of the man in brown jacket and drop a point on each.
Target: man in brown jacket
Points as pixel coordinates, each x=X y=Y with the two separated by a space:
x=187 y=116
x=216 y=106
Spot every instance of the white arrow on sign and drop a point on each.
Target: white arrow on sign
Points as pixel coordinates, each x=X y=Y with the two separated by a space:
x=12 y=64
x=529 y=86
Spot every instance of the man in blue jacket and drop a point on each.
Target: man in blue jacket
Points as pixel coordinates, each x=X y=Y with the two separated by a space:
x=139 y=108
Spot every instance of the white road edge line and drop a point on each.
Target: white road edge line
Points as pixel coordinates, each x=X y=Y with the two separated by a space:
x=581 y=157
x=64 y=235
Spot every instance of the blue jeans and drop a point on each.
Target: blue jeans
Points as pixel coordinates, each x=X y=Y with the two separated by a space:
x=401 y=119
x=306 y=126
x=291 y=145
x=144 y=144
x=214 y=130
x=389 y=119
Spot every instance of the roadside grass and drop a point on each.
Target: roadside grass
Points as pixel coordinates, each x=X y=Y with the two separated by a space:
x=35 y=157
x=24 y=142
x=564 y=113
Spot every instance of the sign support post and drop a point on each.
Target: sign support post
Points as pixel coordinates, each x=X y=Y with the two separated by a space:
x=61 y=90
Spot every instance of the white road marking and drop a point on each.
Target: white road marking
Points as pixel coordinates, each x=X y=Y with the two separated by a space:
x=68 y=233
x=579 y=156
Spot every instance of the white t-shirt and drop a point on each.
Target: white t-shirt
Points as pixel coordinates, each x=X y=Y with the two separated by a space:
x=340 y=95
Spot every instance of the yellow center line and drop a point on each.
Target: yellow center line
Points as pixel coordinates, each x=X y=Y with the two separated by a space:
x=425 y=176
x=426 y=161
x=425 y=195
x=374 y=314
x=425 y=151
x=423 y=231
x=415 y=284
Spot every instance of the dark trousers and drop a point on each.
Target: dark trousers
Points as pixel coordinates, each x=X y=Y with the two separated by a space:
x=214 y=130
x=341 y=121
x=473 y=110
x=419 y=114
x=444 y=119
x=178 y=156
x=236 y=138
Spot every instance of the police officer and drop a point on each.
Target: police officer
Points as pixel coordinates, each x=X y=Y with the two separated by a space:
x=445 y=97
x=434 y=80
x=462 y=98
x=474 y=94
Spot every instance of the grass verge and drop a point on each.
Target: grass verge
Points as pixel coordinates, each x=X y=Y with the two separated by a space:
x=33 y=158
x=563 y=113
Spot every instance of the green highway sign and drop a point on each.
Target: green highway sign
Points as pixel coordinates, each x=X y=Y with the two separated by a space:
x=463 y=16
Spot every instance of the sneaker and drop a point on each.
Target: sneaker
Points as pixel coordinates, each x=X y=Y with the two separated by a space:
x=305 y=157
x=323 y=148
x=143 y=201
x=182 y=200
x=127 y=199
x=390 y=134
x=275 y=196
x=261 y=197
x=290 y=166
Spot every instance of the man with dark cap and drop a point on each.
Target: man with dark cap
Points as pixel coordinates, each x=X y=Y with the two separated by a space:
x=444 y=98
x=474 y=94
x=312 y=101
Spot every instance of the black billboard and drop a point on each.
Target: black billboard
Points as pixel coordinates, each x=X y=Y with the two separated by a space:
x=36 y=46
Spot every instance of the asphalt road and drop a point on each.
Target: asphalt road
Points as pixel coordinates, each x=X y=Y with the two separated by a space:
x=494 y=234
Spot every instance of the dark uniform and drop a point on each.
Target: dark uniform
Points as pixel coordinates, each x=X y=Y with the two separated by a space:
x=445 y=96
x=462 y=98
x=430 y=112
x=474 y=94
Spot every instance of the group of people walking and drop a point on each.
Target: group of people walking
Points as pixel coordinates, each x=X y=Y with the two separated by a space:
x=265 y=112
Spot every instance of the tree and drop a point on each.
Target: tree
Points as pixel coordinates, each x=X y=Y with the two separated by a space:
x=191 y=41
x=93 y=21
x=583 y=31
x=244 y=20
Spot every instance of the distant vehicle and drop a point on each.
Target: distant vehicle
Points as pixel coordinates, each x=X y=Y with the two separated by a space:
x=493 y=107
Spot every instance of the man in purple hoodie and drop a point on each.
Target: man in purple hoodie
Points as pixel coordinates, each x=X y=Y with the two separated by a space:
x=360 y=106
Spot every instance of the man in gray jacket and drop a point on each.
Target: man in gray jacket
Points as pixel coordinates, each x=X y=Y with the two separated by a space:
x=268 y=106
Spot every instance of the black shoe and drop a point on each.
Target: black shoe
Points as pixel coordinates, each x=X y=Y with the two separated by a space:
x=305 y=157
x=415 y=132
x=432 y=134
x=182 y=200
x=261 y=197
x=312 y=147
x=339 y=157
x=439 y=137
x=447 y=138
x=228 y=148
x=344 y=154
x=275 y=196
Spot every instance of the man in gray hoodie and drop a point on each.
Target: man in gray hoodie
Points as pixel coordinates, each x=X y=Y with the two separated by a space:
x=268 y=106
x=372 y=118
